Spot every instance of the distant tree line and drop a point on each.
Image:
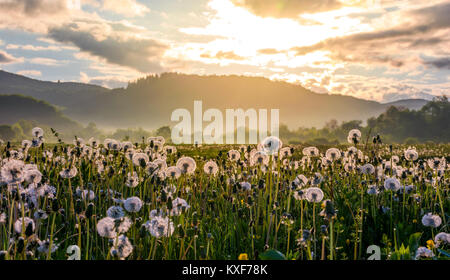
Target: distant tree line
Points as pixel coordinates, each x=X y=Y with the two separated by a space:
x=396 y=125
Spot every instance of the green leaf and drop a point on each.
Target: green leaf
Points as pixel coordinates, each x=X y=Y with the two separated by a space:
x=414 y=241
x=272 y=254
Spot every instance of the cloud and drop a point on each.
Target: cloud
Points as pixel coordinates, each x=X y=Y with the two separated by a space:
x=223 y=55
x=107 y=81
x=287 y=8
x=388 y=45
x=33 y=47
x=127 y=8
x=35 y=7
x=268 y=51
x=34 y=15
x=35 y=73
x=6 y=58
x=441 y=63
x=142 y=54
x=46 y=61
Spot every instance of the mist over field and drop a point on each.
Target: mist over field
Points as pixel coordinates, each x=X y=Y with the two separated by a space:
x=146 y=105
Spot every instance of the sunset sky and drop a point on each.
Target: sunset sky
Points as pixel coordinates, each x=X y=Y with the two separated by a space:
x=372 y=49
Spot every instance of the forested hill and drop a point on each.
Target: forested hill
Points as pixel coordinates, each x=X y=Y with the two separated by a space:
x=149 y=102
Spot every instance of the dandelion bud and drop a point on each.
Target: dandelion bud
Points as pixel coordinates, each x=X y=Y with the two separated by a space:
x=163 y=196
x=261 y=184
x=55 y=205
x=78 y=206
x=89 y=210
x=323 y=229
x=249 y=200
x=20 y=245
x=181 y=232
x=169 y=203
x=29 y=229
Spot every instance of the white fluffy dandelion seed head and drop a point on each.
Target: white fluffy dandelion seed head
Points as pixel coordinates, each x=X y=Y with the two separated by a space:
x=132 y=180
x=133 y=204
x=316 y=179
x=13 y=171
x=333 y=154
x=211 y=168
x=26 y=144
x=430 y=220
x=123 y=224
x=300 y=181
x=159 y=227
x=234 y=155
x=411 y=154
x=442 y=238
x=259 y=158
x=423 y=252
x=37 y=132
x=314 y=194
x=367 y=169
x=106 y=227
x=285 y=152
x=311 y=152
x=45 y=245
x=187 y=165
x=140 y=159
x=68 y=173
x=392 y=184
x=115 y=212
x=354 y=134
x=372 y=190
x=271 y=145
x=246 y=186
x=436 y=163
x=33 y=176
x=162 y=164
x=18 y=225
x=179 y=206
x=173 y=172
x=122 y=247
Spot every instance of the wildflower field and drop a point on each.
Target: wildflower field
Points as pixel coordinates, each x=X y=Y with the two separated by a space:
x=95 y=200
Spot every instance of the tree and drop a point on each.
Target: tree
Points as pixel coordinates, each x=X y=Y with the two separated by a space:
x=164 y=131
x=7 y=133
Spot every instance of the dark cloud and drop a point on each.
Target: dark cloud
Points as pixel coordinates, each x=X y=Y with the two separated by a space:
x=141 y=54
x=441 y=63
x=287 y=8
x=34 y=7
x=426 y=42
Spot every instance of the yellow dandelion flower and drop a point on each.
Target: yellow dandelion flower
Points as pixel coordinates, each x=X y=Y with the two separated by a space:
x=243 y=257
x=430 y=244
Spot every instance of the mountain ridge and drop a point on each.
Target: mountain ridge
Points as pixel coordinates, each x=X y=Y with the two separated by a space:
x=149 y=101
